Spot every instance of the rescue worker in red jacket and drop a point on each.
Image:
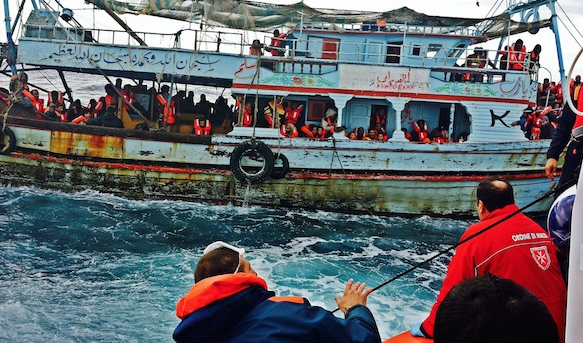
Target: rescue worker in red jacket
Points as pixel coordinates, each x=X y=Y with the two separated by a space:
x=202 y=127
x=168 y=111
x=230 y=303
x=514 y=248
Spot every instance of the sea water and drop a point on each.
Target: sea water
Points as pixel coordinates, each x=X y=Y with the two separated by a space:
x=92 y=267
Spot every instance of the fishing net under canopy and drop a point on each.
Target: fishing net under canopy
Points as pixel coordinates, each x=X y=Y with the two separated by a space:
x=253 y=15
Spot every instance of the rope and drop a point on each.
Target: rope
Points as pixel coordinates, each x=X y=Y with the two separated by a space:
x=452 y=247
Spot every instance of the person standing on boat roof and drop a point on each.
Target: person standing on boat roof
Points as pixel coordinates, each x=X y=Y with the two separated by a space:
x=534 y=57
x=561 y=138
x=517 y=55
x=230 y=303
x=275 y=45
x=515 y=248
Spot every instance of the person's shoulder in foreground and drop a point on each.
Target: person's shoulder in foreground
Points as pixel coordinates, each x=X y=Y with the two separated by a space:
x=230 y=303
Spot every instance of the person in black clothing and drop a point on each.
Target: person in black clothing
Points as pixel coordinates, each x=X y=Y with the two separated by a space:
x=108 y=119
x=561 y=138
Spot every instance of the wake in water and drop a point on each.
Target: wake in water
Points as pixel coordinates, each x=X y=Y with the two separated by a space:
x=95 y=267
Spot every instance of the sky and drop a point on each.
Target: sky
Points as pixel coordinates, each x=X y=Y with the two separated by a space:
x=455 y=8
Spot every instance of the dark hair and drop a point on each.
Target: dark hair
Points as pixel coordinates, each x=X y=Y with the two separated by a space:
x=488 y=308
x=217 y=262
x=494 y=195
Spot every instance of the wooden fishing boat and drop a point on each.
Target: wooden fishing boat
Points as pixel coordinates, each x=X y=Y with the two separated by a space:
x=359 y=64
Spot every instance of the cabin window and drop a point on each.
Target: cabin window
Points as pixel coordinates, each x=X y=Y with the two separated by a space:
x=394 y=52
x=457 y=51
x=416 y=50
x=317 y=108
x=432 y=50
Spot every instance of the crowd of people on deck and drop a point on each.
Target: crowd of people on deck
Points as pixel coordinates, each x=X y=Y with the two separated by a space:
x=104 y=111
x=541 y=121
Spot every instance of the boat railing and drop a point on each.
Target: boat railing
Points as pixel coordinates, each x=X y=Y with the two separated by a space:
x=382 y=26
x=459 y=58
x=219 y=41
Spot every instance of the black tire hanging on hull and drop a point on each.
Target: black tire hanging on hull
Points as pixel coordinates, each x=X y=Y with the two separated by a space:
x=280 y=172
x=7 y=141
x=257 y=152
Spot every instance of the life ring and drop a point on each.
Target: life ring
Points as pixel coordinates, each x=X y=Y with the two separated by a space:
x=261 y=161
x=7 y=141
x=279 y=172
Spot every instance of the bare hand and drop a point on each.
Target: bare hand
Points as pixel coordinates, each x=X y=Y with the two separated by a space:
x=551 y=169
x=354 y=294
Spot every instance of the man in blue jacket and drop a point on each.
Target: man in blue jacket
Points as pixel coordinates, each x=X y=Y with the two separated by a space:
x=230 y=303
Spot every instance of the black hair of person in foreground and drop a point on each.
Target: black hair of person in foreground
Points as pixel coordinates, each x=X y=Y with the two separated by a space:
x=491 y=309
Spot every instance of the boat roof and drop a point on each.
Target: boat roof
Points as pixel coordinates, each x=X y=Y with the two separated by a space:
x=252 y=15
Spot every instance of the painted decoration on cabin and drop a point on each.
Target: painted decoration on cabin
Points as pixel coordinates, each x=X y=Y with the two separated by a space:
x=466 y=88
x=165 y=61
x=393 y=79
x=297 y=80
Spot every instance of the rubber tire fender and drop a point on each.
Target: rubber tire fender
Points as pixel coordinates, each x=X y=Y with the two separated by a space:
x=280 y=173
x=257 y=147
x=6 y=147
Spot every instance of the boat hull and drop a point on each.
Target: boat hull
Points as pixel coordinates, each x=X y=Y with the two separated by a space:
x=343 y=176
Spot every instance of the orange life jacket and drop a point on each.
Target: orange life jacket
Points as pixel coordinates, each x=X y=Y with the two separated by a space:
x=293 y=116
x=199 y=130
x=516 y=58
x=169 y=115
x=285 y=134
x=422 y=130
x=129 y=99
x=247 y=118
x=79 y=119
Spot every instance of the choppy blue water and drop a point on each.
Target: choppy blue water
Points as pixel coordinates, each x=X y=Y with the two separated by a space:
x=91 y=267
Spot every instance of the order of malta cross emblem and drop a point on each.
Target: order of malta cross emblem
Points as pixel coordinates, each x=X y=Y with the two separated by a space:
x=541 y=257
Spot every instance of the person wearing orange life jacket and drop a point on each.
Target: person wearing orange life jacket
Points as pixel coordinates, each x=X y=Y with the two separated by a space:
x=288 y=131
x=517 y=55
x=38 y=103
x=421 y=131
x=534 y=57
x=309 y=130
x=111 y=95
x=128 y=96
x=328 y=123
x=230 y=303
x=275 y=45
x=247 y=115
x=202 y=127
x=168 y=114
x=292 y=116
x=55 y=109
x=269 y=110
x=379 y=117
